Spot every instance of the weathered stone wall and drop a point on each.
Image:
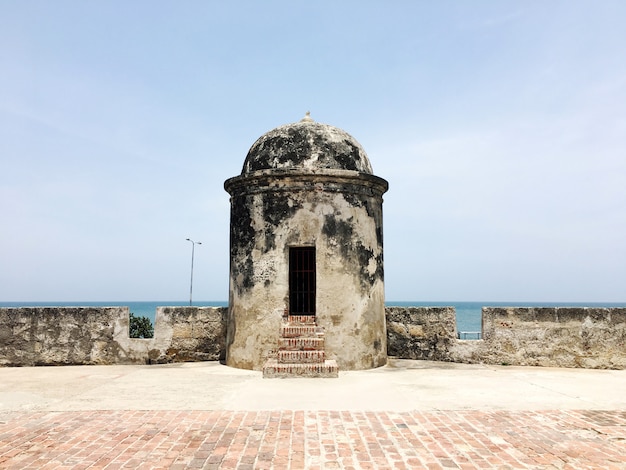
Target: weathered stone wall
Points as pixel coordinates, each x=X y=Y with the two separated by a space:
x=338 y=212
x=426 y=333
x=307 y=185
x=554 y=337
x=550 y=336
x=99 y=335
x=52 y=336
x=197 y=333
x=529 y=336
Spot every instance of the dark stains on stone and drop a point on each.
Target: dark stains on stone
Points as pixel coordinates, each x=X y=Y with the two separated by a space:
x=276 y=209
x=373 y=210
x=355 y=201
x=292 y=145
x=349 y=156
x=241 y=222
x=351 y=248
x=379 y=235
x=242 y=231
x=341 y=230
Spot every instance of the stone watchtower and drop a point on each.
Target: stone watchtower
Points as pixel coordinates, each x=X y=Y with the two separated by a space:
x=306 y=238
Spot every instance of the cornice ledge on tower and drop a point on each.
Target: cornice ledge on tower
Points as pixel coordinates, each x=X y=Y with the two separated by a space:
x=296 y=179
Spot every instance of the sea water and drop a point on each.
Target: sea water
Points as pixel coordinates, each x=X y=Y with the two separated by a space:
x=468 y=314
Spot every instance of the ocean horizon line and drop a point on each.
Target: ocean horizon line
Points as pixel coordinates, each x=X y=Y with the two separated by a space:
x=468 y=313
x=166 y=303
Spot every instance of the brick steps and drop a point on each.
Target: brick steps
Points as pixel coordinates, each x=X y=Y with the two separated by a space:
x=302 y=319
x=304 y=357
x=275 y=370
x=295 y=331
x=300 y=351
x=301 y=344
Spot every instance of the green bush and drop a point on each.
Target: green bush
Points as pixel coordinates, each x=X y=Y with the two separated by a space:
x=140 y=327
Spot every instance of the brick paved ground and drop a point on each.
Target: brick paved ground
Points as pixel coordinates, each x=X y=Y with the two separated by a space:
x=313 y=439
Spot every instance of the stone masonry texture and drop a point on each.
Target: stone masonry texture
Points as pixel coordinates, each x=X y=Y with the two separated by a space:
x=586 y=337
x=425 y=333
x=32 y=336
x=593 y=338
x=551 y=337
x=56 y=336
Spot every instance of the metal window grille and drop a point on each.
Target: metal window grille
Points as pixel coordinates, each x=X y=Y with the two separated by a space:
x=302 y=280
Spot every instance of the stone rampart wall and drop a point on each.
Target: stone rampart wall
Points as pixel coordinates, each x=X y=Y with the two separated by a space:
x=426 y=333
x=99 y=335
x=529 y=336
x=554 y=337
x=592 y=338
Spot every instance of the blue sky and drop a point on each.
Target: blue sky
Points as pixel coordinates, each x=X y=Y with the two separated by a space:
x=500 y=126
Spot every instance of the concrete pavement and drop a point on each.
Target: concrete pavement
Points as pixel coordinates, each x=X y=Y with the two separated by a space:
x=402 y=385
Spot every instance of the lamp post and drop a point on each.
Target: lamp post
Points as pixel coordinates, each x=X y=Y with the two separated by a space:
x=193 y=246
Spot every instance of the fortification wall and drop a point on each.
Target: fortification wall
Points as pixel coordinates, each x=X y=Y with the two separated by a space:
x=535 y=336
x=99 y=335
x=426 y=333
x=528 y=336
x=592 y=338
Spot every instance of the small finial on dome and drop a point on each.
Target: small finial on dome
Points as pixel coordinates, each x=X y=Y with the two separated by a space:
x=307 y=117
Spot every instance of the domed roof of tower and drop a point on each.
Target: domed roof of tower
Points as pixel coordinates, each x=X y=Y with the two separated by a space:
x=306 y=146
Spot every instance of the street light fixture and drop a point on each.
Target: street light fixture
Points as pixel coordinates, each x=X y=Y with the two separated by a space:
x=193 y=245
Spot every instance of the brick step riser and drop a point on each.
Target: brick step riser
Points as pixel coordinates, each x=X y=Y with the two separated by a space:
x=273 y=369
x=301 y=357
x=289 y=331
x=301 y=344
x=301 y=319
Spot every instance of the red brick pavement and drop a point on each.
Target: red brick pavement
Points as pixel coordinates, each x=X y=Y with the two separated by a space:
x=313 y=440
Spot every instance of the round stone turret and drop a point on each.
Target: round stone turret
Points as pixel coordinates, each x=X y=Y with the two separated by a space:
x=306 y=146
x=306 y=239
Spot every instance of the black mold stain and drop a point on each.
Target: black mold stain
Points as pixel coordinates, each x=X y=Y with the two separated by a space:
x=349 y=156
x=352 y=249
x=354 y=200
x=290 y=147
x=276 y=209
x=242 y=236
x=341 y=230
